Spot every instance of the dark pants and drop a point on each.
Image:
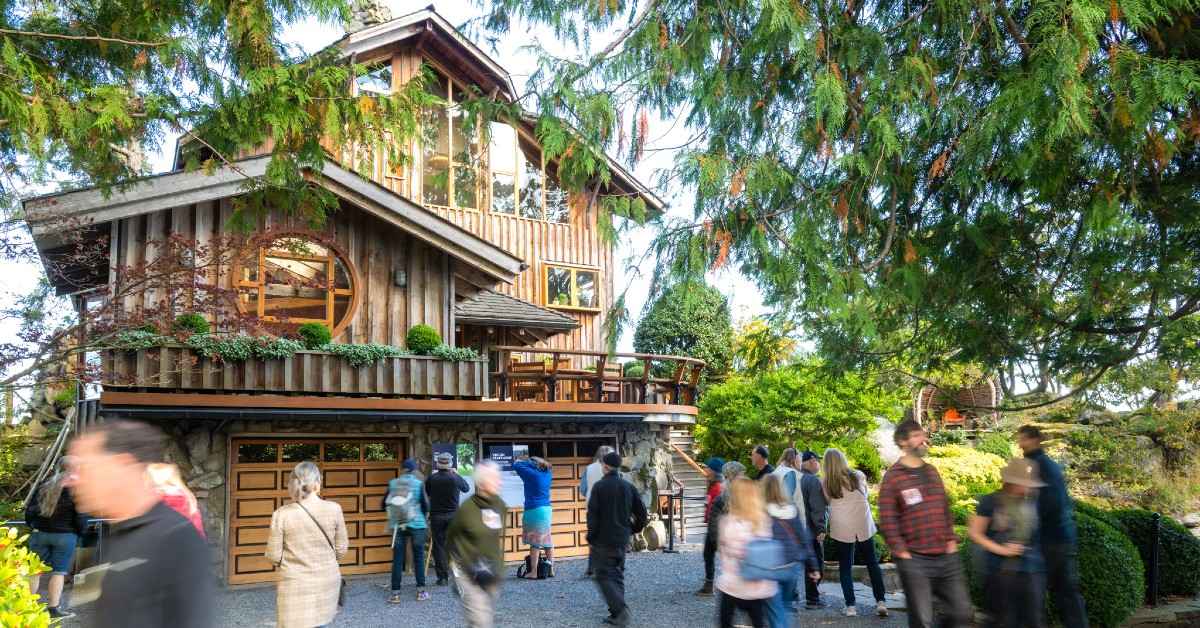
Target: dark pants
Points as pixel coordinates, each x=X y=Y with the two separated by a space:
x=1014 y=599
x=935 y=577
x=1062 y=565
x=866 y=549
x=609 y=565
x=710 y=556
x=728 y=604
x=417 y=539
x=811 y=594
x=438 y=522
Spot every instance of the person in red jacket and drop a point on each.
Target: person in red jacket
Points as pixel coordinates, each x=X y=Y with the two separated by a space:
x=716 y=482
x=169 y=486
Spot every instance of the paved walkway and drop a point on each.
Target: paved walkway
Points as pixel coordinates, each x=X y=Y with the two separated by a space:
x=659 y=592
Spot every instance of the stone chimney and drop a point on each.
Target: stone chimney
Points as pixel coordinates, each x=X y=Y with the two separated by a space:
x=365 y=14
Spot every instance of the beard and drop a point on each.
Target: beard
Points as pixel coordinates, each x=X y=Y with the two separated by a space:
x=919 y=451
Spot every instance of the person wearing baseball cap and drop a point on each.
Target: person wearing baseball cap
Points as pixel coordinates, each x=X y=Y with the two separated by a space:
x=615 y=513
x=444 y=488
x=816 y=512
x=1005 y=526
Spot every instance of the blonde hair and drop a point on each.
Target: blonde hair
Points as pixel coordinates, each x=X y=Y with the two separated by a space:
x=839 y=477
x=52 y=489
x=773 y=491
x=790 y=458
x=746 y=502
x=164 y=474
x=304 y=480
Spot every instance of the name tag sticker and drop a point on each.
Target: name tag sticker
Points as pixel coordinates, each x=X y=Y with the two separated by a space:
x=491 y=519
x=912 y=496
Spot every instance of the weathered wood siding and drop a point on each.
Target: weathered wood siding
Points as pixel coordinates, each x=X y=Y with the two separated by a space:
x=375 y=249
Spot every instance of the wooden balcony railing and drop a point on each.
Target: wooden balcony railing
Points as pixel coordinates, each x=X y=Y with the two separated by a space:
x=181 y=369
x=563 y=375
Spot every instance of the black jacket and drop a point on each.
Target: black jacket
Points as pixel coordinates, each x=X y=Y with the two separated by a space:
x=443 y=489
x=615 y=512
x=64 y=519
x=158 y=574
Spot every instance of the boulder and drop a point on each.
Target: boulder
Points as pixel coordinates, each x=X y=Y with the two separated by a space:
x=207 y=482
x=197 y=443
x=1190 y=520
x=655 y=535
x=32 y=456
x=1095 y=416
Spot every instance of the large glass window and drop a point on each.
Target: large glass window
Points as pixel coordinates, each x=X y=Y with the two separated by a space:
x=450 y=153
x=572 y=288
x=296 y=280
x=377 y=80
x=502 y=161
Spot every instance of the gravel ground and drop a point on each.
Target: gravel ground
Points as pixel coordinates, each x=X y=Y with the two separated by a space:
x=658 y=590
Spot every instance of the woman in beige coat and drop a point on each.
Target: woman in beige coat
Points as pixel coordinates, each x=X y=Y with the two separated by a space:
x=307 y=538
x=852 y=527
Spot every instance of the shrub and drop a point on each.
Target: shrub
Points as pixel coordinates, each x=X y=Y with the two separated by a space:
x=454 y=354
x=1179 y=551
x=314 y=334
x=861 y=452
x=1111 y=576
x=276 y=348
x=422 y=339
x=942 y=438
x=66 y=398
x=966 y=471
x=634 y=369
x=20 y=606
x=962 y=512
x=998 y=444
x=972 y=563
x=362 y=355
x=192 y=323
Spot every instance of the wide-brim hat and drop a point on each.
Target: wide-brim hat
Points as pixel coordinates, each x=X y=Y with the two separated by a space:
x=1022 y=472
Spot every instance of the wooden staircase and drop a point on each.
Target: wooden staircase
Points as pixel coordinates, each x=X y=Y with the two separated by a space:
x=695 y=485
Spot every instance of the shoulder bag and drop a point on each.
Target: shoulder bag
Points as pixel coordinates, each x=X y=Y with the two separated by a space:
x=764 y=559
x=342 y=589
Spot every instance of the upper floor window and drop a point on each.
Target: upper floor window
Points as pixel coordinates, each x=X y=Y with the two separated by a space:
x=296 y=279
x=573 y=288
x=377 y=80
x=521 y=182
x=450 y=156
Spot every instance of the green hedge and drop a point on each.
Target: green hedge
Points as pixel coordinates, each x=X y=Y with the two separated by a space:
x=966 y=471
x=998 y=444
x=1111 y=575
x=1179 y=551
x=422 y=339
x=314 y=334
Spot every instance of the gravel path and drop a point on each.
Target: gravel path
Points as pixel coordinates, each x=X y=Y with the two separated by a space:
x=658 y=589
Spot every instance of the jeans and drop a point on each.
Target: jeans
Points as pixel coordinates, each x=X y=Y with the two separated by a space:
x=728 y=604
x=609 y=565
x=479 y=603
x=437 y=528
x=777 y=607
x=866 y=549
x=811 y=594
x=930 y=577
x=55 y=549
x=1014 y=599
x=710 y=556
x=1062 y=564
x=415 y=536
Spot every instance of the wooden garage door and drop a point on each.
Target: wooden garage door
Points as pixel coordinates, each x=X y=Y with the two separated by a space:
x=570 y=455
x=355 y=474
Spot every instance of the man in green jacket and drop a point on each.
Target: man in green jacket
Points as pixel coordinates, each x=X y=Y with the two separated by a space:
x=473 y=542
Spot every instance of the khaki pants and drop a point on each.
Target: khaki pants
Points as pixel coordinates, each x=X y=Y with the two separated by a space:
x=479 y=603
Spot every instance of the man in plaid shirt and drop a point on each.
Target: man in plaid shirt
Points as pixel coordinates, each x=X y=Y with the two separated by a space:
x=914 y=516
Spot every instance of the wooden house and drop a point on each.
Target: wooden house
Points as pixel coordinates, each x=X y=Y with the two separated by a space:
x=499 y=259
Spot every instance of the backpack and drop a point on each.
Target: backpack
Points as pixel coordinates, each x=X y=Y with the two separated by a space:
x=402 y=501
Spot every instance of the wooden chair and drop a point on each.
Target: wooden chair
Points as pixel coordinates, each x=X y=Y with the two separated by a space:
x=528 y=381
x=606 y=387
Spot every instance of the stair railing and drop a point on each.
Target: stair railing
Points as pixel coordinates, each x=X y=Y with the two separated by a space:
x=679 y=495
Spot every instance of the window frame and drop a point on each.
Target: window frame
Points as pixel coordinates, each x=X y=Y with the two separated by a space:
x=574 y=295
x=448 y=91
x=519 y=177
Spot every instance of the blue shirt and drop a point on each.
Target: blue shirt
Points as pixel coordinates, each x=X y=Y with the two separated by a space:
x=537 y=484
x=418 y=520
x=1055 y=507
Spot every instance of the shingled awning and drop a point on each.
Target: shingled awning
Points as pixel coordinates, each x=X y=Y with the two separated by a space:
x=493 y=308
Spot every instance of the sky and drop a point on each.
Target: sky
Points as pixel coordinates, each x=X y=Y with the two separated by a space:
x=20 y=278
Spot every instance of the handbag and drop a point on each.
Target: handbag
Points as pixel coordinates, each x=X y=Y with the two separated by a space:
x=764 y=559
x=342 y=589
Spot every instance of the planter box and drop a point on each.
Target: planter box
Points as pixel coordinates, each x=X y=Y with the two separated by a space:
x=180 y=369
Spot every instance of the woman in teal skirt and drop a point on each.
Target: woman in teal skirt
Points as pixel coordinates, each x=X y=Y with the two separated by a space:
x=536 y=520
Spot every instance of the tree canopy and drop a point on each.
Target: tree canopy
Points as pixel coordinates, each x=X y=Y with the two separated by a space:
x=691 y=320
x=917 y=183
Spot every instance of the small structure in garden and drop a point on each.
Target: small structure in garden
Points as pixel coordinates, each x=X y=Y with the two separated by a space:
x=967 y=408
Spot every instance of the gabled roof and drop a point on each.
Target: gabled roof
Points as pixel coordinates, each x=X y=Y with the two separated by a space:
x=478 y=262
x=493 y=308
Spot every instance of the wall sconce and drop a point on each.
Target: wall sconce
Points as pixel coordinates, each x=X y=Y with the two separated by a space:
x=401 y=278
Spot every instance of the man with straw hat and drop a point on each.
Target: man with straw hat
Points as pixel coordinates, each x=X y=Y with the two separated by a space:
x=1005 y=527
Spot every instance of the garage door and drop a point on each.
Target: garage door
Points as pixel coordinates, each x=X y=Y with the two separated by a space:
x=355 y=474
x=570 y=455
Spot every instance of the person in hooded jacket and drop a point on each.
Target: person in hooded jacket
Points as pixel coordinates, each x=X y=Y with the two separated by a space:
x=717 y=509
x=788 y=528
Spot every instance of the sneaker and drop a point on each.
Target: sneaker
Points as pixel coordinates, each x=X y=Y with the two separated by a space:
x=881 y=609
x=394 y=598
x=58 y=612
x=817 y=605
x=850 y=611
x=441 y=582
x=423 y=596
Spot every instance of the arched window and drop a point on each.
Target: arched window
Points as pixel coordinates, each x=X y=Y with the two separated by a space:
x=298 y=278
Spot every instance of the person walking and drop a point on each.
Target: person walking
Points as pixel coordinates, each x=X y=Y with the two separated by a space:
x=406 y=504
x=788 y=528
x=1059 y=543
x=158 y=570
x=473 y=542
x=852 y=528
x=717 y=509
x=816 y=514
x=914 y=515
x=614 y=514
x=592 y=474
x=57 y=526
x=746 y=520
x=172 y=490
x=760 y=457
x=442 y=489
x=1005 y=526
x=538 y=517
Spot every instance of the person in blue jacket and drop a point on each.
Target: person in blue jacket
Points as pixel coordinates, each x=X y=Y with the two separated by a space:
x=536 y=520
